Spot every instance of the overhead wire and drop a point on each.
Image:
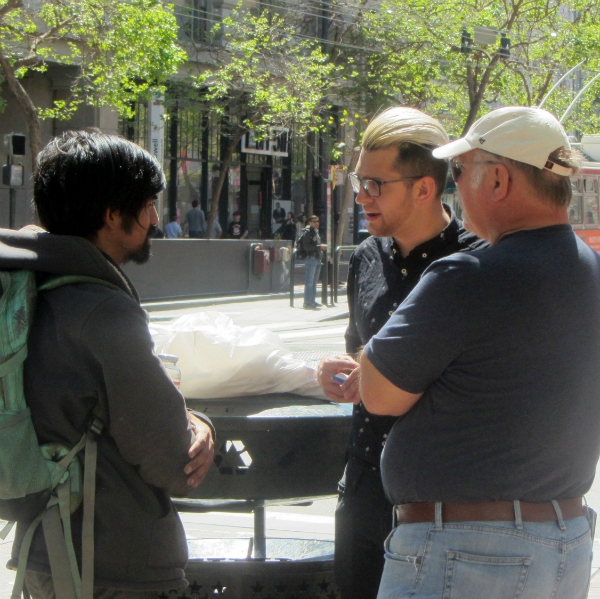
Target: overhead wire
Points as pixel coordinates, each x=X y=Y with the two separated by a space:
x=290 y=3
x=218 y=16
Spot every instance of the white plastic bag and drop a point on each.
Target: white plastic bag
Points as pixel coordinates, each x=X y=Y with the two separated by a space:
x=220 y=359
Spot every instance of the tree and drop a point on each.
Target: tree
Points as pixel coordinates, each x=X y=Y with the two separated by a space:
x=120 y=50
x=432 y=58
x=264 y=76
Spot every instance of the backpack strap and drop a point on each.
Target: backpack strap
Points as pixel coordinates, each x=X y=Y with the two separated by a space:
x=54 y=282
x=56 y=518
x=89 y=504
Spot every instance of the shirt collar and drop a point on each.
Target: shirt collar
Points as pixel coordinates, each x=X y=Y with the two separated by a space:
x=435 y=244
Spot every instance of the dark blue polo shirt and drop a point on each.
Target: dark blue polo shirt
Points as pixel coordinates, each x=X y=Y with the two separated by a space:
x=505 y=344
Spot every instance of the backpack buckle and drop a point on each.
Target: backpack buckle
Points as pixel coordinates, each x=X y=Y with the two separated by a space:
x=96 y=425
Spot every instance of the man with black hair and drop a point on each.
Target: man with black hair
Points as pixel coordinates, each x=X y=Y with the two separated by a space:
x=89 y=346
x=236 y=229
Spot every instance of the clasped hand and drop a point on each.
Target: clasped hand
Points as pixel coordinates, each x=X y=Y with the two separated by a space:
x=349 y=391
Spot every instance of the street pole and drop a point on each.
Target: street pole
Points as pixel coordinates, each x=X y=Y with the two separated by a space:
x=12 y=195
x=328 y=241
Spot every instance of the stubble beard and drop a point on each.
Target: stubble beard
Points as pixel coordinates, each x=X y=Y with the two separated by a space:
x=143 y=253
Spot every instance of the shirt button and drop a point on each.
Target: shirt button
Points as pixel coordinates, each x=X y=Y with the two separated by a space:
x=366 y=420
x=383 y=443
x=424 y=255
x=360 y=430
x=366 y=449
x=404 y=271
x=390 y=312
x=373 y=468
x=395 y=305
x=385 y=436
x=372 y=320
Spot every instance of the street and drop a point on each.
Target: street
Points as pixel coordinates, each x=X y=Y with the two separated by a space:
x=310 y=335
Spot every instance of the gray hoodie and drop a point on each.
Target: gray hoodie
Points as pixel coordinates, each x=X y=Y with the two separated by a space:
x=90 y=343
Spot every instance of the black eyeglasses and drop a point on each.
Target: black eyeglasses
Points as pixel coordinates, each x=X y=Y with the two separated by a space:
x=458 y=168
x=372 y=187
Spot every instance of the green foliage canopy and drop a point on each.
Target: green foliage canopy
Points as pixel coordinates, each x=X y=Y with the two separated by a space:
x=420 y=63
x=265 y=74
x=120 y=49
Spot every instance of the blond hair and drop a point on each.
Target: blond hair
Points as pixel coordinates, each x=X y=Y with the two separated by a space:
x=415 y=134
x=402 y=124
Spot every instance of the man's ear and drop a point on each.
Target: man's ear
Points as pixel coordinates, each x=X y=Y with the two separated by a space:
x=424 y=189
x=501 y=182
x=112 y=219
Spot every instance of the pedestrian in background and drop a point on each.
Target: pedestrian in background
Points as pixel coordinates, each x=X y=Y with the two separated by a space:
x=311 y=241
x=236 y=229
x=173 y=230
x=195 y=222
x=290 y=230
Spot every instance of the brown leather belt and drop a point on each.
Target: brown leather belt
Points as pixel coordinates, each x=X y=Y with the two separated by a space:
x=488 y=511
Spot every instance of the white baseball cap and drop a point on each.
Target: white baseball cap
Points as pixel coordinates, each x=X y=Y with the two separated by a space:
x=523 y=134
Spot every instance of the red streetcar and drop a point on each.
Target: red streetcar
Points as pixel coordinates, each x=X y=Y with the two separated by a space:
x=583 y=211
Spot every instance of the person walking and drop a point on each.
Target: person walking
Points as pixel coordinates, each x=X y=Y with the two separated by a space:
x=195 y=222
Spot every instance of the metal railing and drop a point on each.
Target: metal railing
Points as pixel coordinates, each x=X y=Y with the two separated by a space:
x=336 y=267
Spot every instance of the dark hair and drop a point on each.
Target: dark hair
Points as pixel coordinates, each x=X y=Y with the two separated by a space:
x=81 y=174
x=236 y=214
x=195 y=204
x=414 y=160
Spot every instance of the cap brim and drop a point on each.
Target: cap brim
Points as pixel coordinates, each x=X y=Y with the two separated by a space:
x=454 y=148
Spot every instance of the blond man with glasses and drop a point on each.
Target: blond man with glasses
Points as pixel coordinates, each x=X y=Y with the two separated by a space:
x=399 y=186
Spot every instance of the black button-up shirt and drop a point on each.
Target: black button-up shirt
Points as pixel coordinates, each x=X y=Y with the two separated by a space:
x=379 y=280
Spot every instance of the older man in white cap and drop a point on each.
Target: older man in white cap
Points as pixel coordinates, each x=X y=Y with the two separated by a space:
x=493 y=364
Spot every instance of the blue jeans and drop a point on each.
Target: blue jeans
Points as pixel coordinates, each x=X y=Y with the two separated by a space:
x=313 y=270
x=490 y=560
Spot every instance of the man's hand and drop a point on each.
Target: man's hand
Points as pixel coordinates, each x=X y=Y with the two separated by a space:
x=330 y=366
x=351 y=388
x=201 y=452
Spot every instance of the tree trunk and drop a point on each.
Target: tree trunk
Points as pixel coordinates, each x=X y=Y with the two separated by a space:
x=310 y=167
x=478 y=98
x=348 y=199
x=216 y=192
x=31 y=113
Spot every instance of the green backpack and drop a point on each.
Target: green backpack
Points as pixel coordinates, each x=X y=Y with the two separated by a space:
x=42 y=483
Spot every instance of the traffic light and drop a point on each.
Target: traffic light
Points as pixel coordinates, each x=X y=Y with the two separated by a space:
x=466 y=42
x=504 y=50
x=14 y=144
